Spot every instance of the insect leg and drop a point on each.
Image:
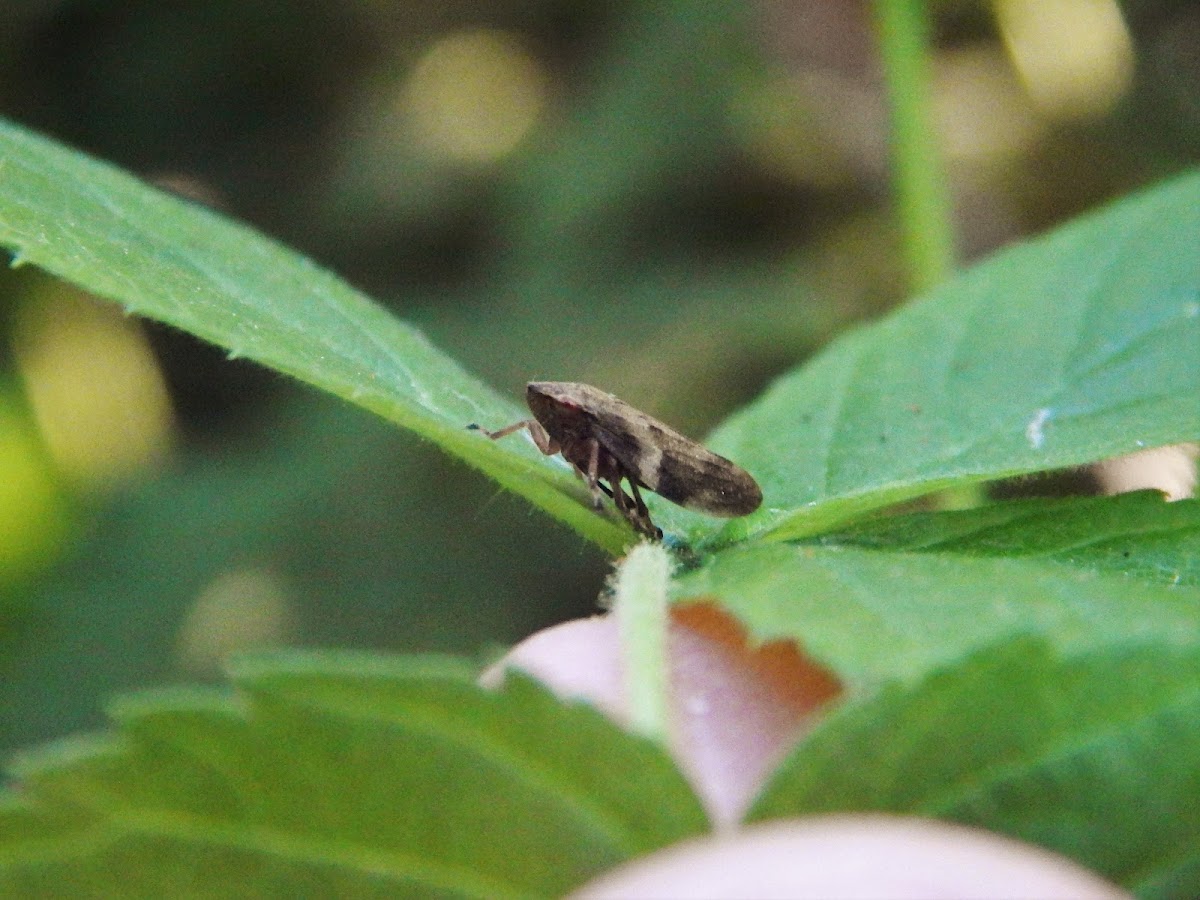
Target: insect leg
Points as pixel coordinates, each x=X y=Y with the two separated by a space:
x=620 y=499
x=541 y=439
x=593 y=474
x=637 y=498
x=503 y=432
x=644 y=523
x=633 y=509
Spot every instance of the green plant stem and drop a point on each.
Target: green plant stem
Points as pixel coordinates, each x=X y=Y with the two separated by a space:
x=918 y=176
x=641 y=613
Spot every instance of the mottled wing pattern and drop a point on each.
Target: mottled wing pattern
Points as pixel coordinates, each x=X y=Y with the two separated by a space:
x=672 y=465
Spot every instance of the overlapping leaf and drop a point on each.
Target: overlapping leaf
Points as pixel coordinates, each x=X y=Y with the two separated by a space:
x=347 y=776
x=182 y=264
x=1071 y=348
x=1094 y=756
x=1046 y=696
x=877 y=617
x=1038 y=359
x=1137 y=535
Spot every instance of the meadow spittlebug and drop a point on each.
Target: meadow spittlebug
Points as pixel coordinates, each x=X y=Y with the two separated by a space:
x=606 y=438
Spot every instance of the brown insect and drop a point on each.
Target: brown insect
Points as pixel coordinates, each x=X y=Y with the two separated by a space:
x=607 y=439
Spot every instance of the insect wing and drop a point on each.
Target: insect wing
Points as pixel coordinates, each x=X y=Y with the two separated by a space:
x=674 y=466
x=708 y=483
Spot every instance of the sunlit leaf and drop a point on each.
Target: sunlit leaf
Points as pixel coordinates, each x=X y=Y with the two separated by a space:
x=180 y=263
x=1077 y=346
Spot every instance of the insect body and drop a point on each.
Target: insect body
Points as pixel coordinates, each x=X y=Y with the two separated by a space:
x=607 y=439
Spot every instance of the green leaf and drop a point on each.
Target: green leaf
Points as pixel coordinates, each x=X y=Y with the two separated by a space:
x=180 y=263
x=874 y=617
x=1138 y=535
x=1045 y=697
x=1035 y=360
x=1068 y=349
x=341 y=775
x=1096 y=756
x=1052 y=699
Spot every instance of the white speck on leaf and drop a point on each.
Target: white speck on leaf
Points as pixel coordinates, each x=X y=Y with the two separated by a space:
x=1034 y=430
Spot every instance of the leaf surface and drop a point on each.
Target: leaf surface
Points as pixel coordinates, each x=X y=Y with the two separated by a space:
x=1052 y=698
x=876 y=617
x=180 y=263
x=341 y=774
x=1096 y=756
x=1137 y=535
x=1077 y=346
x=1034 y=360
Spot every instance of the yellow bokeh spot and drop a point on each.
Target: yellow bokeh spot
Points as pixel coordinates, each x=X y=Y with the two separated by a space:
x=32 y=514
x=981 y=111
x=239 y=610
x=800 y=128
x=94 y=386
x=473 y=96
x=1075 y=57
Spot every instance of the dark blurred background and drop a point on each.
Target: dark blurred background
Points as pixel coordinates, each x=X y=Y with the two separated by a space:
x=676 y=201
